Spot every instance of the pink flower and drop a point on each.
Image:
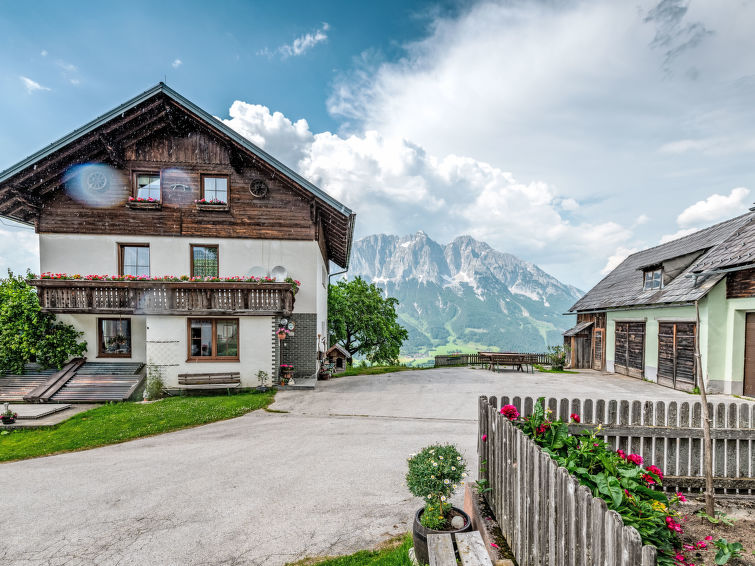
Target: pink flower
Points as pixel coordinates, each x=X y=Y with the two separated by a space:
x=510 y=412
x=635 y=459
x=484 y=437
x=655 y=470
x=621 y=454
x=681 y=497
x=709 y=538
x=688 y=547
x=574 y=417
x=648 y=478
x=702 y=545
x=494 y=545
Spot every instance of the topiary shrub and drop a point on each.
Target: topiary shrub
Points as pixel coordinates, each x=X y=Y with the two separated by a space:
x=434 y=474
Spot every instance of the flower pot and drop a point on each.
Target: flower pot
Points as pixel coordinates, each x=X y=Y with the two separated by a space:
x=207 y=207
x=420 y=532
x=281 y=335
x=9 y=420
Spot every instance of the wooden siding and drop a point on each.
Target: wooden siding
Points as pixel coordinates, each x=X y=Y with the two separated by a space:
x=283 y=214
x=740 y=284
x=749 y=369
x=592 y=339
x=630 y=348
x=676 y=355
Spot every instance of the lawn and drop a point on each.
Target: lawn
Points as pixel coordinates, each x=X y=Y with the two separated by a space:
x=119 y=422
x=542 y=369
x=394 y=553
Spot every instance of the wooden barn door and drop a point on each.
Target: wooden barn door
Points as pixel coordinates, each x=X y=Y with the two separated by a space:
x=584 y=352
x=749 y=375
x=630 y=349
x=676 y=355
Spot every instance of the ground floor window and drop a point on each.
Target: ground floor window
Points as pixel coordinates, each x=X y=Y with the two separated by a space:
x=213 y=339
x=114 y=337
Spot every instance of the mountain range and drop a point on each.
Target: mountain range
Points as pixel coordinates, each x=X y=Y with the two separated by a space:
x=464 y=296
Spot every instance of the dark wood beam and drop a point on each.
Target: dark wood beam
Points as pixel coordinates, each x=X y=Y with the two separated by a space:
x=113 y=149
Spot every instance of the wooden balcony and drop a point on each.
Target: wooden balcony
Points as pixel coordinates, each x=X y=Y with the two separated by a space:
x=164 y=297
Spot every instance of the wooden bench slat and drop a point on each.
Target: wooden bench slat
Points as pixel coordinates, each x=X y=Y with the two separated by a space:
x=440 y=550
x=472 y=550
x=210 y=386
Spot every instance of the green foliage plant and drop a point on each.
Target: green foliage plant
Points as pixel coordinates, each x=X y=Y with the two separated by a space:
x=364 y=321
x=720 y=517
x=557 y=356
x=155 y=385
x=27 y=334
x=727 y=550
x=434 y=474
x=614 y=476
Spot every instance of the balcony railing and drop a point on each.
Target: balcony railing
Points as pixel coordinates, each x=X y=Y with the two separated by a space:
x=164 y=297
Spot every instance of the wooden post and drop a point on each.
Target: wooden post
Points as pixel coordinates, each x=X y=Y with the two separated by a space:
x=707 y=443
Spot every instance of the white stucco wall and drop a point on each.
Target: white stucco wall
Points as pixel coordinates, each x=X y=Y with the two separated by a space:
x=167 y=348
x=98 y=254
x=87 y=323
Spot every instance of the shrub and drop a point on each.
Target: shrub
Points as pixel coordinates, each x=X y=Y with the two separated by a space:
x=557 y=356
x=434 y=474
x=614 y=476
x=27 y=334
x=155 y=384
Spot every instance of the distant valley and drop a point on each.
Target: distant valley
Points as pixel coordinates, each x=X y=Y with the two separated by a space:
x=464 y=296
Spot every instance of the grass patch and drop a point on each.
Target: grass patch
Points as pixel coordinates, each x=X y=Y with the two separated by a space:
x=394 y=552
x=374 y=370
x=542 y=369
x=119 y=422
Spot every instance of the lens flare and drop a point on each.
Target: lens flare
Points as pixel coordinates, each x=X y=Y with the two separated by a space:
x=97 y=185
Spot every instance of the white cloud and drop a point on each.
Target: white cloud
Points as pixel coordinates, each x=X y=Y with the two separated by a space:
x=176 y=63
x=43 y=53
x=19 y=248
x=616 y=258
x=715 y=207
x=32 y=85
x=300 y=45
x=67 y=67
x=396 y=186
x=641 y=219
x=569 y=204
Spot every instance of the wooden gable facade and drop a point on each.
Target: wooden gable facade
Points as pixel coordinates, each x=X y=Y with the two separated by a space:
x=161 y=133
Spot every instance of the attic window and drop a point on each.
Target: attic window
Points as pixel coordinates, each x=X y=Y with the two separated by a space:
x=653 y=279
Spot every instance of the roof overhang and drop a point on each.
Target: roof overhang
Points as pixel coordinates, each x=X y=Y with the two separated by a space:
x=579 y=328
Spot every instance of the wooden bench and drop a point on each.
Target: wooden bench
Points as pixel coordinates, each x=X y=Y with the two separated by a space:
x=522 y=362
x=472 y=552
x=227 y=380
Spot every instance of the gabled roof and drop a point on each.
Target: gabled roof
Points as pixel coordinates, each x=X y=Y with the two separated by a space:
x=16 y=200
x=579 y=328
x=624 y=285
x=338 y=348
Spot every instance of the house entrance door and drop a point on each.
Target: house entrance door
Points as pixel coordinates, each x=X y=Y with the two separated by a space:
x=676 y=355
x=749 y=373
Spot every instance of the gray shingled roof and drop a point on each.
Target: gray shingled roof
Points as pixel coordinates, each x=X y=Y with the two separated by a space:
x=579 y=328
x=737 y=249
x=623 y=286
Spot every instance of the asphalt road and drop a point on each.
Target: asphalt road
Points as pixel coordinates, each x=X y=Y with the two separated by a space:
x=325 y=478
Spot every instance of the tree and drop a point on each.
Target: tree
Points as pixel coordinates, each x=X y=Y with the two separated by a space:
x=27 y=334
x=363 y=321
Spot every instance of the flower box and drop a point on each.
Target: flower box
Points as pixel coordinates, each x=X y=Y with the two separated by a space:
x=144 y=204
x=214 y=207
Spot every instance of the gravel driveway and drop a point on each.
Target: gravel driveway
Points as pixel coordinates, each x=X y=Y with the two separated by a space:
x=327 y=477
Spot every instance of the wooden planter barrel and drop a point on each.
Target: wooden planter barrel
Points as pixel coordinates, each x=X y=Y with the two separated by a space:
x=420 y=532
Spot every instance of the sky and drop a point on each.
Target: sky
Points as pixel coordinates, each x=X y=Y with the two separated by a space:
x=567 y=133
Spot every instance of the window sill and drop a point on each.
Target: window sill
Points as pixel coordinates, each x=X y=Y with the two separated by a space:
x=113 y=356
x=213 y=207
x=212 y=360
x=145 y=205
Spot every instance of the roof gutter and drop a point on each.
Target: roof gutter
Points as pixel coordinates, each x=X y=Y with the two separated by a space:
x=720 y=271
